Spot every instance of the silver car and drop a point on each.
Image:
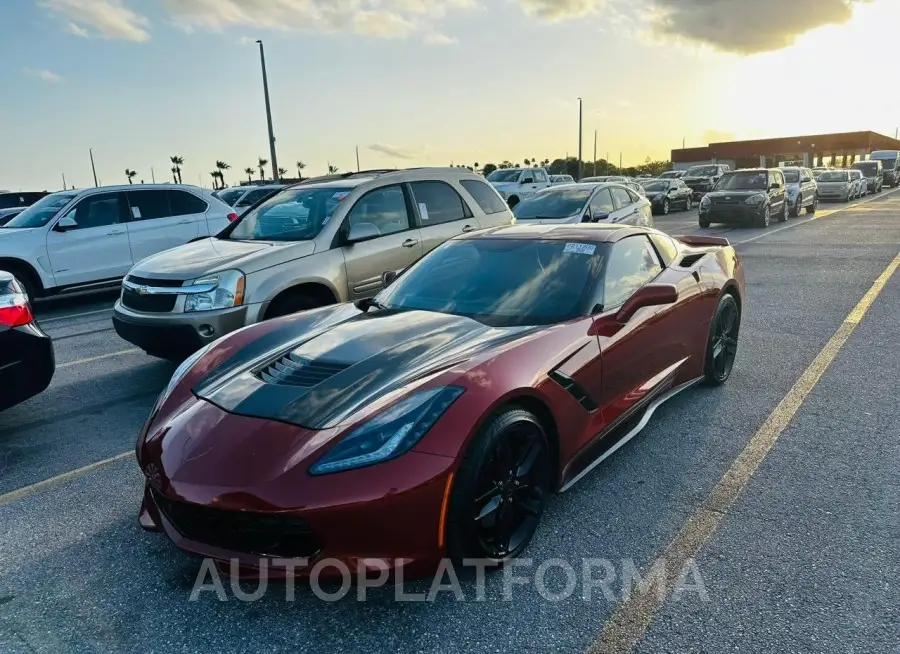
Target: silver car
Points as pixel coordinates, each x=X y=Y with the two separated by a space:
x=310 y=245
x=585 y=202
x=835 y=185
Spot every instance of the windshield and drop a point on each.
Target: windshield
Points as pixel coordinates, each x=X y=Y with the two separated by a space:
x=657 y=187
x=751 y=181
x=791 y=176
x=501 y=282
x=870 y=168
x=887 y=163
x=557 y=203
x=294 y=215
x=833 y=176
x=504 y=176
x=669 y=174
x=42 y=211
x=230 y=196
x=701 y=171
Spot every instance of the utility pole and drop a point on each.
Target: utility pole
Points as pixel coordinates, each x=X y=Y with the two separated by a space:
x=357 y=158
x=93 y=168
x=620 y=162
x=594 y=170
x=65 y=188
x=682 y=143
x=152 y=175
x=579 y=138
x=607 y=164
x=262 y=61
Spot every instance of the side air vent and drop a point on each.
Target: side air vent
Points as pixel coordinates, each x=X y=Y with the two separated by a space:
x=691 y=259
x=574 y=389
x=293 y=370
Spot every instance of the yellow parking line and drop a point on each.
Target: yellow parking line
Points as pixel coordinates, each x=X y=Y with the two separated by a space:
x=31 y=489
x=99 y=357
x=631 y=619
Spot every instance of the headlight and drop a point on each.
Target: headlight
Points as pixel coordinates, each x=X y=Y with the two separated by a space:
x=755 y=199
x=228 y=292
x=389 y=434
x=704 y=201
x=179 y=374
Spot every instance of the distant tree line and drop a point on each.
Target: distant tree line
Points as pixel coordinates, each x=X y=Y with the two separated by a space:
x=570 y=166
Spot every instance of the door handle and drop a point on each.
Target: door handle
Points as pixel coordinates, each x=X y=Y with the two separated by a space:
x=410 y=242
x=115 y=232
x=468 y=228
x=185 y=222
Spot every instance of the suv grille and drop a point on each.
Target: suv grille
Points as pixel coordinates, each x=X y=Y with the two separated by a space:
x=150 y=303
x=263 y=534
x=293 y=370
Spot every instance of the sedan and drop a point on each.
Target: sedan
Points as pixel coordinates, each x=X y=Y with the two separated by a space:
x=437 y=419
x=585 y=203
x=26 y=353
x=666 y=194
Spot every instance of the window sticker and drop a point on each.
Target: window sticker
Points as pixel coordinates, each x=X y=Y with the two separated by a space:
x=136 y=213
x=423 y=211
x=580 y=248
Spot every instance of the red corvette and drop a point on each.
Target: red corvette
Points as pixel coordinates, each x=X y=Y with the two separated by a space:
x=437 y=418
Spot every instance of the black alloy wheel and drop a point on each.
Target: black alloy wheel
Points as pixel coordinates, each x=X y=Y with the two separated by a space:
x=815 y=205
x=785 y=208
x=500 y=490
x=765 y=219
x=721 y=349
x=688 y=204
x=665 y=207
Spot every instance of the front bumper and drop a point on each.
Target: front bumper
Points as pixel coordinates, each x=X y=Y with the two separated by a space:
x=697 y=192
x=826 y=194
x=177 y=335
x=732 y=213
x=27 y=364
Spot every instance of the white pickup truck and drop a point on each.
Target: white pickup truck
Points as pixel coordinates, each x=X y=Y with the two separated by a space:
x=513 y=184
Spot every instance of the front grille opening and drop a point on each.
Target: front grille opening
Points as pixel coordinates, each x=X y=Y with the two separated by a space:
x=261 y=534
x=150 y=303
x=294 y=370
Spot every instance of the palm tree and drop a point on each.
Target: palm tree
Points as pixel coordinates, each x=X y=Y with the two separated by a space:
x=248 y=171
x=332 y=169
x=222 y=166
x=300 y=167
x=175 y=174
x=476 y=166
x=215 y=175
x=262 y=167
x=177 y=162
x=282 y=172
x=527 y=162
x=130 y=174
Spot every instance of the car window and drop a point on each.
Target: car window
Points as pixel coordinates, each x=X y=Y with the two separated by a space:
x=254 y=196
x=634 y=196
x=97 y=211
x=147 y=205
x=527 y=177
x=231 y=195
x=632 y=264
x=484 y=195
x=10 y=200
x=621 y=197
x=602 y=201
x=384 y=207
x=666 y=248
x=438 y=203
x=539 y=176
x=184 y=203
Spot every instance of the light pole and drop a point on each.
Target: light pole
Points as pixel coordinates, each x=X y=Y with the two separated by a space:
x=265 y=79
x=594 y=168
x=579 y=138
x=93 y=168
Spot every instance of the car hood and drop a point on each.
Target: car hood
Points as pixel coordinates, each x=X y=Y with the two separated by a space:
x=737 y=194
x=505 y=186
x=212 y=255
x=319 y=371
x=688 y=180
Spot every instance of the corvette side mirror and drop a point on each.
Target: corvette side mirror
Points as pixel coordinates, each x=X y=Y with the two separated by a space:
x=388 y=277
x=649 y=296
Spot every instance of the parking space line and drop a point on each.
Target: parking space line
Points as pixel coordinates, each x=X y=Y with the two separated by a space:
x=31 y=489
x=74 y=315
x=99 y=357
x=631 y=619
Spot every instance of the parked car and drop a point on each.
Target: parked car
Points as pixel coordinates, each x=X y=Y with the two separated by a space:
x=372 y=430
x=585 y=203
x=671 y=174
x=802 y=192
x=818 y=170
x=635 y=186
x=666 y=194
x=310 y=245
x=873 y=171
x=604 y=178
x=753 y=195
x=89 y=239
x=890 y=165
x=835 y=185
x=12 y=204
x=561 y=179
x=244 y=197
x=26 y=353
x=513 y=184
x=703 y=178
x=859 y=183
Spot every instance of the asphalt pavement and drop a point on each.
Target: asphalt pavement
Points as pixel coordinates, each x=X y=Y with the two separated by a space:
x=805 y=560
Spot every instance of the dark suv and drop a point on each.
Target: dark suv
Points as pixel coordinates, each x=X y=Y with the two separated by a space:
x=12 y=204
x=702 y=179
x=754 y=195
x=873 y=172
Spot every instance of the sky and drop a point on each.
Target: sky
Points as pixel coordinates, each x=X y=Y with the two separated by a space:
x=423 y=82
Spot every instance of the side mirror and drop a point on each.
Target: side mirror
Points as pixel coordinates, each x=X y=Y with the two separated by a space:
x=388 y=277
x=649 y=296
x=597 y=216
x=528 y=180
x=362 y=232
x=65 y=223
x=773 y=186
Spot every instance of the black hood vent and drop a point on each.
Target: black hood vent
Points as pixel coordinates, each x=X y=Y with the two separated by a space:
x=293 y=370
x=691 y=259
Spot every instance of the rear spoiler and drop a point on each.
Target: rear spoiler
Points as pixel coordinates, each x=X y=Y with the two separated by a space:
x=697 y=239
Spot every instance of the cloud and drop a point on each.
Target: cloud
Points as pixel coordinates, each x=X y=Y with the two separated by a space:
x=43 y=75
x=557 y=10
x=436 y=38
x=391 y=151
x=746 y=26
x=111 y=19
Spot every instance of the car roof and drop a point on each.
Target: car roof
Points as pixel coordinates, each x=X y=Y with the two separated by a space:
x=590 y=232
x=135 y=187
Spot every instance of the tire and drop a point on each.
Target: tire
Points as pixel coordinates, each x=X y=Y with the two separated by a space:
x=765 y=219
x=513 y=201
x=665 y=207
x=688 y=204
x=785 y=209
x=815 y=205
x=292 y=303
x=704 y=223
x=721 y=346
x=25 y=278
x=795 y=210
x=500 y=490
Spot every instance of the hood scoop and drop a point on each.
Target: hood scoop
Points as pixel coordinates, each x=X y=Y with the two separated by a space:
x=294 y=370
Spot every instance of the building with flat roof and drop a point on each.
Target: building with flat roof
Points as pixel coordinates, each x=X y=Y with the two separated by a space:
x=816 y=150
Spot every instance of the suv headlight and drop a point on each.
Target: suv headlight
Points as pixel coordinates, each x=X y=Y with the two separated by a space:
x=228 y=292
x=389 y=434
x=755 y=199
x=705 y=201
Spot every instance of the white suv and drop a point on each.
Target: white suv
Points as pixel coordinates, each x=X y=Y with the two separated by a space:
x=514 y=184
x=79 y=240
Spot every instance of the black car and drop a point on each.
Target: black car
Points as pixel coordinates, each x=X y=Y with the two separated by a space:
x=27 y=362
x=754 y=195
x=704 y=177
x=12 y=204
x=666 y=194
